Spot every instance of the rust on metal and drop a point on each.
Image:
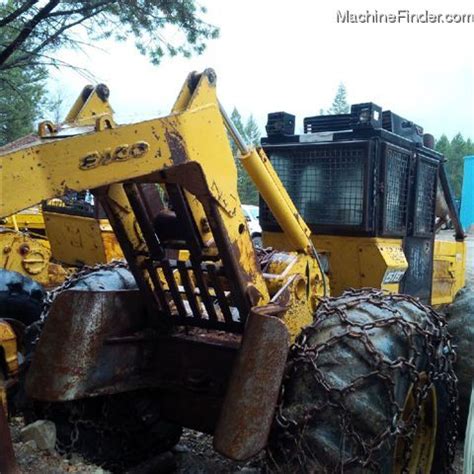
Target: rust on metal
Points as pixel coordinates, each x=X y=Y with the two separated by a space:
x=8 y=463
x=114 y=350
x=66 y=364
x=176 y=145
x=248 y=410
x=190 y=176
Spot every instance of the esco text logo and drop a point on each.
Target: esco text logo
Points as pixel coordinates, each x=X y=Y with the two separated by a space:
x=118 y=154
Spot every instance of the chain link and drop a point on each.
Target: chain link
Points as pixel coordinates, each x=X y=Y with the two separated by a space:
x=74 y=278
x=427 y=340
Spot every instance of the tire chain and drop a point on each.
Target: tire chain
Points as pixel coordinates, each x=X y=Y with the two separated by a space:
x=75 y=277
x=441 y=356
x=68 y=283
x=437 y=343
x=104 y=426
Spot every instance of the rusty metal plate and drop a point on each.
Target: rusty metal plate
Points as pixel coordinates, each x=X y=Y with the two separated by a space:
x=98 y=343
x=8 y=463
x=249 y=406
x=66 y=365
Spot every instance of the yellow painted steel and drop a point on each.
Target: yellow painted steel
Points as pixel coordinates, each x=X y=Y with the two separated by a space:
x=85 y=112
x=294 y=282
x=74 y=241
x=45 y=239
x=8 y=347
x=449 y=270
x=112 y=248
x=8 y=360
x=423 y=444
x=354 y=262
x=261 y=171
x=3 y=389
x=77 y=240
x=30 y=220
x=101 y=156
x=19 y=252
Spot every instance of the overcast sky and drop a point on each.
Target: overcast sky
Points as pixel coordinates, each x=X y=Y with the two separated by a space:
x=277 y=55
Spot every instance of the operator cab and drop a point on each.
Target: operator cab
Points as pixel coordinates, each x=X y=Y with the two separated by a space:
x=368 y=174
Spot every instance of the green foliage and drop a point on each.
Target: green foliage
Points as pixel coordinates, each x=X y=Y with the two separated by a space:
x=22 y=90
x=21 y=99
x=32 y=30
x=454 y=152
x=340 y=104
x=250 y=132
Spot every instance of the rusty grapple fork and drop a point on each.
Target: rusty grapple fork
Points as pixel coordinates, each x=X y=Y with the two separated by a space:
x=248 y=408
x=195 y=267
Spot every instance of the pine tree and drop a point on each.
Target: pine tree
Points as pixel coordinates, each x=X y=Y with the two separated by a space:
x=22 y=94
x=442 y=145
x=252 y=131
x=454 y=152
x=236 y=119
x=249 y=193
x=251 y=134
x=340 y=104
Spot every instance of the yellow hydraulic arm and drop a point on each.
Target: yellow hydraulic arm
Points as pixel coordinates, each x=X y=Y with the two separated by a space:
x=193 y=136
x=199 y=246
x=59 y=160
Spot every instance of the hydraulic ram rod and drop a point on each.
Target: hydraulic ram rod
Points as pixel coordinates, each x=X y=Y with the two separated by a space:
x=272 y=190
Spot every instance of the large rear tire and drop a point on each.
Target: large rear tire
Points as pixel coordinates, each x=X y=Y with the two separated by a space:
x=21 y=298
x=368 y=388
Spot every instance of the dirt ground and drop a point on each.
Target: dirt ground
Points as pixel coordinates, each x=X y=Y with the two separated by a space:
x=194 y=454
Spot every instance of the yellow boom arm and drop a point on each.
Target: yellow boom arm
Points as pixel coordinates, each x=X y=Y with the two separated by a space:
x=188 y=148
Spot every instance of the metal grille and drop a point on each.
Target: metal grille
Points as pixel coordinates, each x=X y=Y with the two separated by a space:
x=202 y=291
x=425 y=198
x=396 y=191
x=326 y=184
x=201 y=300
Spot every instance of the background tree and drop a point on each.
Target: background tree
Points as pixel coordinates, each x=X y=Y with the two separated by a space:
x=251 y=133
x=454 y=152
x=340 y=104
x=31 y=29
x=56 y=105
x=21 y=101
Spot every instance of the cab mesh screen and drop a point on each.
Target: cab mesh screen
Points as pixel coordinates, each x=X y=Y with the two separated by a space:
x=425 y=197
x=396 y=191
x=326 y=184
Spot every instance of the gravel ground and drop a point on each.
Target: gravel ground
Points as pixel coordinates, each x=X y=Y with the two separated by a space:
x=194 y=454
x=33 y=460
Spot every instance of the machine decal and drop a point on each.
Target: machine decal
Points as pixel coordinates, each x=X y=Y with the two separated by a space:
x=394 y=275
x=120 y=153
